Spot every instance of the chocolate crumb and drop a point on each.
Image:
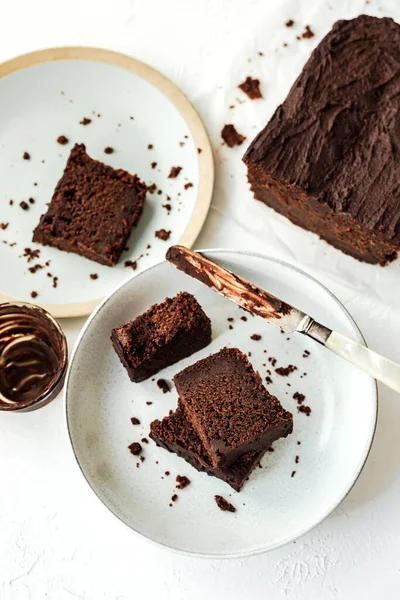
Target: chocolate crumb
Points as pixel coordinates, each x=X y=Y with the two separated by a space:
x=289 y=23
x=296 y=460
x=163 y=385
x=153 y=165
x=150 y=147
x=35 y=268
x=232 y=137
x=174 y=498
x=11 y=202
x=26 y=156
x=135 y=421
x=167 y=206
x=151 y=188
x=159 y=192
x=108 y=150
x=62 y=140
x=307 y=33
x=135 y=448
x=285 y=371
x=271 y=449
x=174 y=172
x=34 y=294
x=224 y=505
x=182 y=481
x=299 y=397
x=24 y=205
x=131 y=263
x=243 y=318
x=304 y=409
x=230 y=319
x=94 y=276
x=31 y=254
x=188 y=185
x=306 y=354
x=251 y=87
x=162 y=234
x=268 y=379
x=167 y=473
x=199 y=150
x=144 y=440
x=298 y=443
x=260 y=53
x=47 y=263
x=31 y=200
x=284 y=44
x=272 y=360
x=142 y=459
x=55 y=282
x=85 y=121
x=293 y=474
x=230 y=327
x=256 y=337
x=4 y=226
x=149 y=403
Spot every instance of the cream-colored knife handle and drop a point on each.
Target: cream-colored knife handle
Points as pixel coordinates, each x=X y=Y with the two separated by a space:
x=374 y=364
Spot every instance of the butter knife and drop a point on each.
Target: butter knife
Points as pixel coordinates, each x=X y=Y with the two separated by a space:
x=277 y=312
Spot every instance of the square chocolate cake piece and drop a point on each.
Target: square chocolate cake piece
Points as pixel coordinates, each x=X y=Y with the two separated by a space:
x=176 y=434
x=162 y=336
x=93 y=209
x=229 y=408
x=329 y=159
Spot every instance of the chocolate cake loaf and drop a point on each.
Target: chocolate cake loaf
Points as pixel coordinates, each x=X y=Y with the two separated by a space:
x=329 y=159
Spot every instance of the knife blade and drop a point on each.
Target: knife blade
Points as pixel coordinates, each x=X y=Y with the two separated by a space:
x=278 y=312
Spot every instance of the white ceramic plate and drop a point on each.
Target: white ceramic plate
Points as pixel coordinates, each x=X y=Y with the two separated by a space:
x=274 y=507
x=46 y=94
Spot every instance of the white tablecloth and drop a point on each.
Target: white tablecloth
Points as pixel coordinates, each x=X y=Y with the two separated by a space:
x=56 y=539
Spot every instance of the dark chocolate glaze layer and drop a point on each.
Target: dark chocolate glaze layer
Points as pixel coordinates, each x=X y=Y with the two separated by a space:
x=337 y=135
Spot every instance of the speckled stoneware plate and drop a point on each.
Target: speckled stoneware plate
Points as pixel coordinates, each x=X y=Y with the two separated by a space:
x=130 y=106
x=287 y=496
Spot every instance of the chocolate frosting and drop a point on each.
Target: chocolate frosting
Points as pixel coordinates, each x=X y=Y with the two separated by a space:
x=337 y=135
x=32 y=355
x=235 y=288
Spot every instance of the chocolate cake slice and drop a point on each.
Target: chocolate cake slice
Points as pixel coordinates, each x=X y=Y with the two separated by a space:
x=176 y=434
x=329 y=159
x=93 y=209
x=229 y=408
x=162 y=336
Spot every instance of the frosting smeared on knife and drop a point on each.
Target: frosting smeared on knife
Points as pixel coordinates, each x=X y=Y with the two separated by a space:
x=235 y=288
